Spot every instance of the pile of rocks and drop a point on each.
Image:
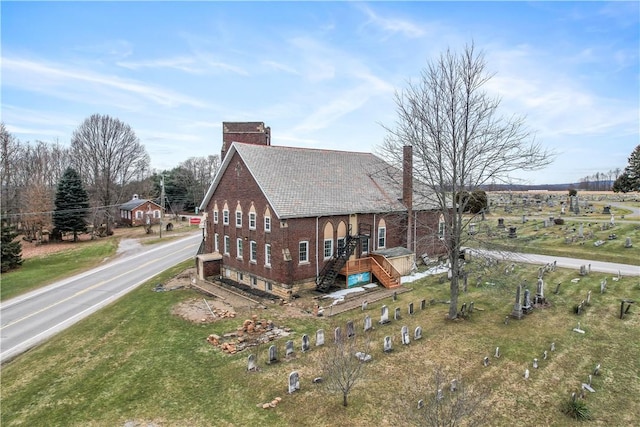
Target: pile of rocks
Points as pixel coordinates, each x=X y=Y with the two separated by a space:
x=251 y=333
x=271 y=404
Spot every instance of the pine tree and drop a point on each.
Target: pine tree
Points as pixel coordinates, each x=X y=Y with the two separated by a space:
x=630 y=178
x=71 y=203
x=11 y=251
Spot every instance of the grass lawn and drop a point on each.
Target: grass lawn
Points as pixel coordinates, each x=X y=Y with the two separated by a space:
x=42 y=270
x=134 y=360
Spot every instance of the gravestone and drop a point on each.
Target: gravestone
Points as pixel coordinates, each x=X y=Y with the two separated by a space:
x=337 y=334
x=578 y=330
x=557 y=289
x=363 y=357
x=420 y=404
x=603 y=285
x=395 y=295
x=526 y=374
x=410 y=308
x=581 y=231
x=526 y=306
x=583 y=270
x=387 y=344
x=485 y=361
x=273 y=354
x=305 y=343
x=288 y=348
x=351 y=329
x=545 y=355
x=606 y=210
x=367 y=323
x=596 y=370
x=396 y=315
x=319 y=337
x=454 y=385
x=497 y=353
x=588 y=301
x=472 y=229
x=384 y=316
x=405 y=335
x=540 y=292
x=512 y=233
x=294 y=381
x=251 y=363
x=506 y=319
x=500 y=222
x=439 y=395
x=627 y=243
x=470 y=309
x=623 y=303
x=553 y=346
x=516 y=313
x=417 y=334
x=364 y=305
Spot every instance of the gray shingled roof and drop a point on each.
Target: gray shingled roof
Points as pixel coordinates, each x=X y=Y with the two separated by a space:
x=302 y=182
x=132 y=204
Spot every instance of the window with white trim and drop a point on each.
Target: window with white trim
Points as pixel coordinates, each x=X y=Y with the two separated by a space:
x=226 y=245
x=254 y=251
x=156 y=214
x=138 y=214
x=328 y=248
x=225 y=217
x=303 y=252
x=215 y=217
x=382 y=237
x=216 y=246
x=441 y=229
x=238 y=218
x=267 y=224
x=267 y=255
x=252 y=220
x=239 y=248
x=254 y=281
x=365 y=244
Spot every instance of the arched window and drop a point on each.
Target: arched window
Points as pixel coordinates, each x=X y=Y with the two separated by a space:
x=342 y=236
x=328 y=240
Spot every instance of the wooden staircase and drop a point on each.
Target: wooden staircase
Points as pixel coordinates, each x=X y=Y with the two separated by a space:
x=332 y=268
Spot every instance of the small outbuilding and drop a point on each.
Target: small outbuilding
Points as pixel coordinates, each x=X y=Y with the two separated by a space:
x=139 y=211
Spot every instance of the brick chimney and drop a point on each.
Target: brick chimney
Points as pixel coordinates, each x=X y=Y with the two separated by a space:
x=246 y=132
x=407 y=190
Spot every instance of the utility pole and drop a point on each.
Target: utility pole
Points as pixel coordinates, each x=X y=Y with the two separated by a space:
x=161 y=202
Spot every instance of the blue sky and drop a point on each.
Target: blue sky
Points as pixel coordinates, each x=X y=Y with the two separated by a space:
x=321 y=74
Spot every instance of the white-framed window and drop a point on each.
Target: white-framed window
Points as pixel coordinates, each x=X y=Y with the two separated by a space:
x=252 y=220
x=226 y=245
x=156 y=213
x=254 y=251
x=328 y=248
x=225 y=217
x=303 y=252
x=382 y=237
x=240 y=277
x=238 y=218
x=239 y=248
x=267 y=224
x=216 y=245
x=138 y=214
x=267 y=286
x=254 y=281
x=267 y=255
x=215 y=217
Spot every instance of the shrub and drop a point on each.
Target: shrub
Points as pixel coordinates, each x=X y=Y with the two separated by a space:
x=577 y=410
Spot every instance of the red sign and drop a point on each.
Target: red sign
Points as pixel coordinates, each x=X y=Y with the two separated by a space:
x=194 y=220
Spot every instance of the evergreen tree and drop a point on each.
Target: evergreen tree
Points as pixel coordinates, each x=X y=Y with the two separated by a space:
x=11 y=251
x=630 y=178
x=71 y=203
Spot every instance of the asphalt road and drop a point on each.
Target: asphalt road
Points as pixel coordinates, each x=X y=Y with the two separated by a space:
x=30 y=319
x=563 y=262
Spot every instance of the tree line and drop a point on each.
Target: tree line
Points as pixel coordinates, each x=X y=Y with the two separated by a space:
x=112 y=164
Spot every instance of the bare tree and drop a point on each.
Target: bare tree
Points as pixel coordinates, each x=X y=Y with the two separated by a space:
x=459 y=141
x=10 y=150
x=344 y=364
x=108 y=155
x=451 y=403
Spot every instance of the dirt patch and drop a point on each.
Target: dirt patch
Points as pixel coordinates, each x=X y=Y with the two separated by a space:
x=203 y=310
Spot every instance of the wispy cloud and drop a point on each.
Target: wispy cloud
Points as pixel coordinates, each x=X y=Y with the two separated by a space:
x=183 y=63
x=35 y=76
x=392 y=25
x=280 y=67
